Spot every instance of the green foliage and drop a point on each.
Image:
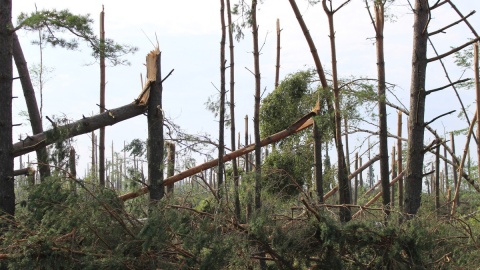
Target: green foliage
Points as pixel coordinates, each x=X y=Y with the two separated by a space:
x=92 y=229
x=80 y=26
x=285 y=172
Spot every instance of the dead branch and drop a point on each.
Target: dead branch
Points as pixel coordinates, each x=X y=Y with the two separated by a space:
x=452 y=51
x=452 y=24
x=446 y=86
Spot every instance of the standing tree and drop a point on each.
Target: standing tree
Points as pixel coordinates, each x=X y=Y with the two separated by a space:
x=379 y=23
x=232 y=111
x=256 y=117
x=221 y=122
x=7 y=193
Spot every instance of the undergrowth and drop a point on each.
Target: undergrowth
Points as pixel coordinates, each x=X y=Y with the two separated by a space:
x=56 y=228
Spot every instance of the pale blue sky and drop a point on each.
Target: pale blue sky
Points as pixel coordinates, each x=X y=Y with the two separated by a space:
x=189 y=36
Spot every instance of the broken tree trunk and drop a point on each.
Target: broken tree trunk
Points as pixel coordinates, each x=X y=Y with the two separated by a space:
x=301 y=124
x=79 y=127
x=155 y=127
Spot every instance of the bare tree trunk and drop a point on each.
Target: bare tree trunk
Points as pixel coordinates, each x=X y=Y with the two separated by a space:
x=355 y=201
x=221 y=122
x=437 y=179
x=382 y=108
x=170 y=165
x=455 y=175
x=256 y=117
x=318 y=161
x=344 y=189
x=416 y=126
x=477 y=88
x=32 y=107
x=394 y=175
x=400 y=161
x=155 y=130
x=246 y=143
x=232 y=112
x=7 y=192
x=101 y=161
x=73 y=168
x=277 y=65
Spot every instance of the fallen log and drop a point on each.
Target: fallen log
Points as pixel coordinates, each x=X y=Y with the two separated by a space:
x=79 y=127
x=301 y=124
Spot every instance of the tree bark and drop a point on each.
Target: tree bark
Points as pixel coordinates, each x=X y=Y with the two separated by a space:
x=101 y=145
x=382 y=107
x=256 y=118
x=155 y=131
x=400 y=160
x=342 y=173
x=32 y=106
x=7 y=193
x=277 y=65
x=318 y=162
x=221 y=122
x=170 y=165
x=79 y=127
x=232 y=112
x=416 y=125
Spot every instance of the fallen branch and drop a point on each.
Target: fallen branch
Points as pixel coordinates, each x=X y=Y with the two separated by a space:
x=303 y=123
x=79 y=127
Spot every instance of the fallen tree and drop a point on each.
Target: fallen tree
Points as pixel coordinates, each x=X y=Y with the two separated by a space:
x=79 y=127
x=301 y=124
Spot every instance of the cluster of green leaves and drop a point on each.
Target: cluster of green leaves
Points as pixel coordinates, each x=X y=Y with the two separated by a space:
x=52 y=24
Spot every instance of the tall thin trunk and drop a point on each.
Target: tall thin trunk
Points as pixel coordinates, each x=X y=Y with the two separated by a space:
x=256 y=117
x=477 y=88
x=342 y=173
x=355 y=201
x=394 y=175
x=437 y=178
x=277 y=65
x=382 y=108
x=32 y=107
x=221 y=122
x=400 y=161
x=318 y=161
x=155 y=130
x=246 y=143
x=455 y=174
x=7 y=193
x=416 y=125
x=236 y=196
x=170 y=165
x=73 y=168
x=101 y=161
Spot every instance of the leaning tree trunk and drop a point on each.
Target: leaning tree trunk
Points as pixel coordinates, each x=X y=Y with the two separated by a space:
x=155 y=129
x=32 y=106
x=7 y=193
x=232 y=112
x=416 y=126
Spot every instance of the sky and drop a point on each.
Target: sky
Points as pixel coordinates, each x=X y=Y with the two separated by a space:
x=189 y=33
